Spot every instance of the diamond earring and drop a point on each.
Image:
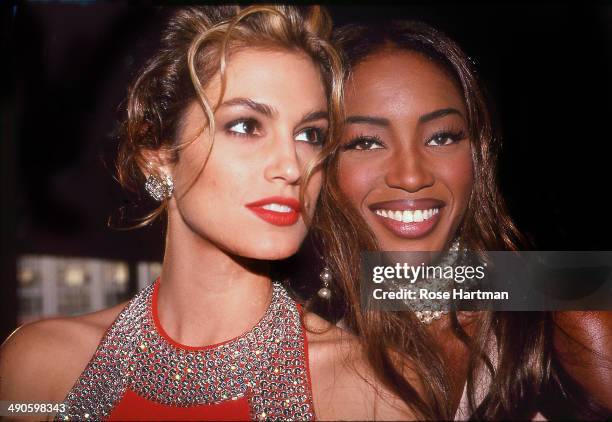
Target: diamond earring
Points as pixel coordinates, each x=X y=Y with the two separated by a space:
x=325 y=276
x=159 y=187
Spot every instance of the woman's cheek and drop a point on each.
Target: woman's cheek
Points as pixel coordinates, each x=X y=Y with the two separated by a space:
x=352 y=181
x=458 y=175
x=312 y=191
x=465 y=175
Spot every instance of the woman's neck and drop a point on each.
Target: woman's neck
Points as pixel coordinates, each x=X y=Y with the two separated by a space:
x=206 y=295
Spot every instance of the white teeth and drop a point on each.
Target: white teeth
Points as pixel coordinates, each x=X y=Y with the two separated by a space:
x=418 y=216
x=409 y=216
x=277 y=208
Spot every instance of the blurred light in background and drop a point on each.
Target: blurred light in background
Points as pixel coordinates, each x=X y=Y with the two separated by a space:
x=58 y=286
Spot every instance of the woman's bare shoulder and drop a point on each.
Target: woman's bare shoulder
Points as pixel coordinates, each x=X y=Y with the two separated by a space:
x=40 y=361
x=582 y=344
x=344 y=385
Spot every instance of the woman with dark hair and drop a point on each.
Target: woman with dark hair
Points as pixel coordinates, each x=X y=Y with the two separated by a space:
x=220 y=125
x=415 y=169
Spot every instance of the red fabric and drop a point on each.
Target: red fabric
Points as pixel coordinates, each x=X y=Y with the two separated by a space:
x=132 y=407
x=307 y=358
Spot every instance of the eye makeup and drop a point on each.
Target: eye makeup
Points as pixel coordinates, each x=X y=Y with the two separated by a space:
x=364 y=143
x=319 y=133
x=245 y=126
x=441 y=137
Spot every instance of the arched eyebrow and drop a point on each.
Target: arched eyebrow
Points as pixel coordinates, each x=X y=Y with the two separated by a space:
x=270 y=111
x=438 y=114
x=265 y=109
x=314 y=115
x=370 y=120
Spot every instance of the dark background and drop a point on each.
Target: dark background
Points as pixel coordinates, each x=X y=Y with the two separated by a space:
x=67 y=66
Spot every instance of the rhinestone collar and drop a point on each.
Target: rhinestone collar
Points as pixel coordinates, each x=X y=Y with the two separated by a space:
x=268 y=364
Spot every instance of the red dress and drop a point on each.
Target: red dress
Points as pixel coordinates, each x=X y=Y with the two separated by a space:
x=139 y=373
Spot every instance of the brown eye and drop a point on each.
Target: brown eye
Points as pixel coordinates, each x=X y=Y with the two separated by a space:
x=364 y=143
x=445 y=138
x=311 y=135
x=244 y=127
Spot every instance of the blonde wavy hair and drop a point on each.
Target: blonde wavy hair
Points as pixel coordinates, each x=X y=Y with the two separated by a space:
x=196 y=46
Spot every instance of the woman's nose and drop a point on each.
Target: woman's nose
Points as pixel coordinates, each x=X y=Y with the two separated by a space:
x=283 y=163
x=408 y=170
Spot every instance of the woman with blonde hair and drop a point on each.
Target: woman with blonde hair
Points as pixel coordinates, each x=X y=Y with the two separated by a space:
x=221 y=124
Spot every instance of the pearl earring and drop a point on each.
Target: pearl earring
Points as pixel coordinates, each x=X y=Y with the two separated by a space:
x=325 y=276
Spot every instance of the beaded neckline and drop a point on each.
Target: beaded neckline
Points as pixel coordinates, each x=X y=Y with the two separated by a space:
x=267 y=365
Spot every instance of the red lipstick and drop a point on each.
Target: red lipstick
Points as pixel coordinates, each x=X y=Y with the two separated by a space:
x=277 y=210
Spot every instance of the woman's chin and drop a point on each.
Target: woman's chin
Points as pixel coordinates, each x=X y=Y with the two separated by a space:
x=271 y=251
x=421 y=245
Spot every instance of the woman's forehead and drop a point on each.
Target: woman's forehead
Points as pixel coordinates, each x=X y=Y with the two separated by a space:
x=287 y=79
x=397 y=82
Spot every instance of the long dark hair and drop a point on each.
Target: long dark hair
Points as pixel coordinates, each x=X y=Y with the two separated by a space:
x=394 y=340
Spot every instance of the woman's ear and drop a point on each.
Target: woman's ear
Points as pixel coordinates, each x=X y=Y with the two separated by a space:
x=156 y=162
x=157 y=170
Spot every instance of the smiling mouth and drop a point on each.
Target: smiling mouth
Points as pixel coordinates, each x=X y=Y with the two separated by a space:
x=408 y=218
x=278 y=211
x=278 y=208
